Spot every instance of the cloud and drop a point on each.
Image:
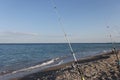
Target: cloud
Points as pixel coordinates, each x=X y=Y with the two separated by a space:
x=12 y=37
x=8 y=33
x=26 y=37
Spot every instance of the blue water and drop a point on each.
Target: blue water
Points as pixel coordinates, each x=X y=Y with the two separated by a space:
x=18 y=56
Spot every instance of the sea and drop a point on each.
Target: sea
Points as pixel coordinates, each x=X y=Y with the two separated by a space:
x=22 y=57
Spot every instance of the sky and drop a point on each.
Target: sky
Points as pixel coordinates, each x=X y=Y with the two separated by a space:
x=36 y=21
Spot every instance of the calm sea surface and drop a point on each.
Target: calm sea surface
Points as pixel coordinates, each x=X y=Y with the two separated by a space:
x=17 y=56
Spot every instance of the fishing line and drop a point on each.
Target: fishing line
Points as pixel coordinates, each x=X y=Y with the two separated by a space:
x=65 y=35
x=67 y=39
x=114 y=49
x=117 y=28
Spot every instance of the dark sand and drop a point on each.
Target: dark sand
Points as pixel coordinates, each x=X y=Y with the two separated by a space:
x=99 y=67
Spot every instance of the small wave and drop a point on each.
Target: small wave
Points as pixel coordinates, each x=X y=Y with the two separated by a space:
x=5 y=72
x=60 y=62
x=36 y=66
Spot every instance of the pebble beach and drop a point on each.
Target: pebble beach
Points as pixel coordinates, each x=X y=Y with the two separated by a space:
x=100 y=67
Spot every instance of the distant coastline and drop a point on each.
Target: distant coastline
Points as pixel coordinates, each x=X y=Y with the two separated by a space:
x=61 y=43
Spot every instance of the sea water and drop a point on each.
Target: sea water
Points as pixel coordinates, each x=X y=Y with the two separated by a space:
x=21 y=57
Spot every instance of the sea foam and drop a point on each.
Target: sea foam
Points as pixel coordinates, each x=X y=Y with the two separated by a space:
x=36 y=66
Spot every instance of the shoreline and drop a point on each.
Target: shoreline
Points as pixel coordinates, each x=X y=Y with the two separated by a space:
x=92 y=63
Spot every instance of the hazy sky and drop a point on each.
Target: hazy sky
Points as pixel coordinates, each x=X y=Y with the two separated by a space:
x=36 y=21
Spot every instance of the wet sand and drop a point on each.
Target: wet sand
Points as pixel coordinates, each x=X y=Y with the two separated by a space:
x=99 y=67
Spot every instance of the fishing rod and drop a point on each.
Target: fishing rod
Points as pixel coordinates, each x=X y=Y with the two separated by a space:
x=67 y=39
x=114 y=50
